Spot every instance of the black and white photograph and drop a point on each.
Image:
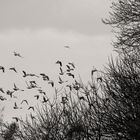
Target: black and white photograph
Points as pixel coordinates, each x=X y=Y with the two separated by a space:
x=69 y=69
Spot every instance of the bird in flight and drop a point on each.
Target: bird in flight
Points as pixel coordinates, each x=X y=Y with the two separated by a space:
x=17 y=54
x=1 y=89
x=16 y=88
x=59 y=62
x=37 y=96
x=2 y=68
x=10 y=93
x=45 y=100
x=70 y=74
x=69 y=68
x=24 y=101
x=45 y=77
x=68 y=47
x=15 y=106
x=13 y=69
x=2 y=98
x=16 y=118
x=27 y=74
x=61 y=71
x=52 y=83
x=41 y=91
x=72 y=64
x=31 y=107
x=94 y=70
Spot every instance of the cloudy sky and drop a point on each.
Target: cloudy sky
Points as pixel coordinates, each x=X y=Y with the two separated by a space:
x=39 y=30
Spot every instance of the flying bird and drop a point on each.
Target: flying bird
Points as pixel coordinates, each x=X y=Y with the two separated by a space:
x=37 y=96
x=24 y=101
x=17 y=54
x=24 y=73
x=1 y=89
x=60 y=80
x=45 y=77
x=94 y=70
x=33 y=82
x=45 y=100
x=67 y=47
x=70 y=74
x=31 y=107
x=69 y=86
x=59 y=62
x=13 y=69
x=15 y=87
x=2 y=98
x=61 y=71
x=15 y=106
x=2 y=68
x=41 y=91
x=52 y=83
x=10 y=93
x=15 y=118
x=32 y=75
x=69 y=68
x=72 y=64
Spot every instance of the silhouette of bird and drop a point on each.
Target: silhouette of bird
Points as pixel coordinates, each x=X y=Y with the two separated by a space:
x=45 y=77
x=15 y=118
x=10 y=93
x=42 y=74
x=69 y=68
x=2 y=68
x=94 y=70
x=15 y=87
x=24 y=101
x=69 y=86
x=52 y=83
x=28 y=86
x=32 y=117
x=70 y=74
x=61 y=71
x=67 y=47
x=2 y=98
x=41 y=91
x=17 y=54
x=72 y=64
x=45 y=100
x=33 y=82
x=31 y=107
x=24 y=73
x=13 y=69
x=15 y=106
x=60 y=80
x=33 y=75
x=1 y=89
x=59 y=62
x=37 y=96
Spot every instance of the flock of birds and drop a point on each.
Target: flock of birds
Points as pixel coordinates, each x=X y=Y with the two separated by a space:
x=32 y=84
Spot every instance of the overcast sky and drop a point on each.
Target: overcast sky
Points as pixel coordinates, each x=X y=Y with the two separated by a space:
x=39 y=30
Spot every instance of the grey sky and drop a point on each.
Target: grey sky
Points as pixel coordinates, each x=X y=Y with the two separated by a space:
x=39 y=30
x=82 y=16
